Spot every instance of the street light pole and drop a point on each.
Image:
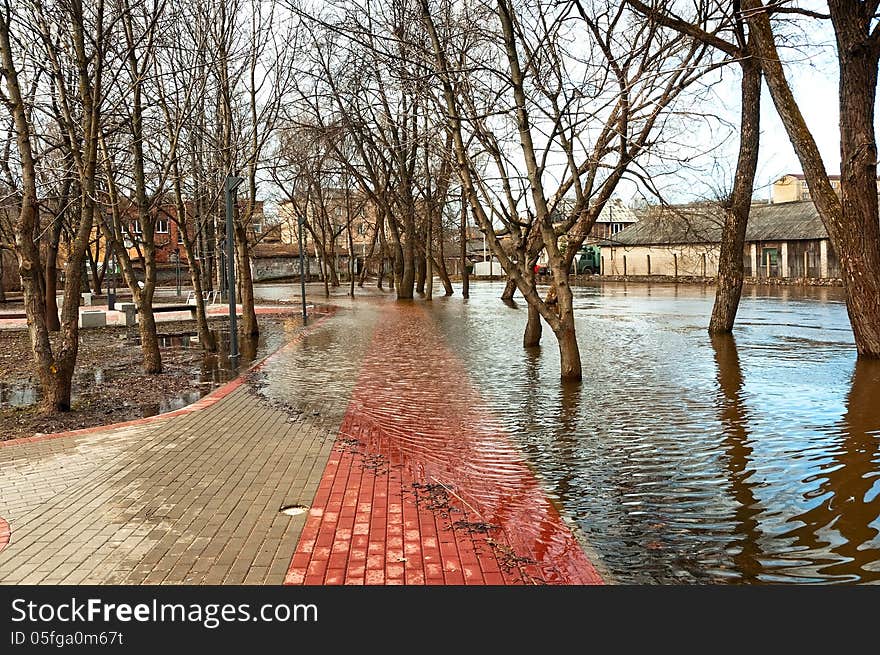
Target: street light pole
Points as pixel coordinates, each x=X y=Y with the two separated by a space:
x=232 y=183
x=177 y=271
x=302 y=271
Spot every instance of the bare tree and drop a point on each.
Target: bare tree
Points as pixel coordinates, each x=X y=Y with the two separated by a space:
x=78 y=52
x=596 y=106
x=851 y=219
x=710 y=24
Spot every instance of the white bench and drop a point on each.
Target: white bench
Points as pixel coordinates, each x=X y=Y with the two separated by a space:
x=92 y=318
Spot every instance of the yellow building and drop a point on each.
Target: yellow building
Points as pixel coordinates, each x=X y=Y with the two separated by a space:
x=792 y=187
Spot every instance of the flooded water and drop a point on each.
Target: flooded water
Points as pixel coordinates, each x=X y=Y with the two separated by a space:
x=751 y=459
x=686 y=459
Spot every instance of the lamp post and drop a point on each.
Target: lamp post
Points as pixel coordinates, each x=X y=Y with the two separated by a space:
x=111 y=282
x=232 y=183
x=302 y=270
x=176 y=256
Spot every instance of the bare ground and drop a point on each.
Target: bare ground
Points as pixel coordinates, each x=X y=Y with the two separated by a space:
x=109 y=385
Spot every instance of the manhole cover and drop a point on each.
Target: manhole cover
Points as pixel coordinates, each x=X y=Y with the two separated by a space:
x=294 y=510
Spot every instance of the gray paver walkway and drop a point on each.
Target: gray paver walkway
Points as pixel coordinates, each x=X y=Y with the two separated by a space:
x=189 y=499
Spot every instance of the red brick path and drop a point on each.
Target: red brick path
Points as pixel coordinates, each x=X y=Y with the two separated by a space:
x=5 y=533
x=424 y=487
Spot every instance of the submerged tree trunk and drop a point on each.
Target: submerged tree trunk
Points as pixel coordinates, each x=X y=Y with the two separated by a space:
x=852 y=220
x=730 y=262
x=509 y=290
x=569 y=353
x=532 y=334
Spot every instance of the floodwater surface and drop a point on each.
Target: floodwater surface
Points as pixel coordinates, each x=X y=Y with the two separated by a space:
x=751 y=459
x=682 y=458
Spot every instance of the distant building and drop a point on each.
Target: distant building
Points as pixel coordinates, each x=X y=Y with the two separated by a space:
x=786 y=240
x=614 y=217
x=792 y=187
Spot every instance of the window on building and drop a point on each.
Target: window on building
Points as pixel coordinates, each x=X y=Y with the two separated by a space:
x=161 y=226
x=258 y=228
x=179 y=235
x=136 y=227
x=362 y=229
x=616 y=227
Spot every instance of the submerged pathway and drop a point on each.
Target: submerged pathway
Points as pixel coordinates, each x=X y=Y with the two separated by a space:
x=366 y=431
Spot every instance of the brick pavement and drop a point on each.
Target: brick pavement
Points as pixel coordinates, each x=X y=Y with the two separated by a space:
x=407 y=476
x=424 y=487
x=191 y=498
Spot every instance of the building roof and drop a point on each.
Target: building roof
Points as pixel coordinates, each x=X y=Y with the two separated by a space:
x=615 y=211
x=274 y=249
x=703 y=223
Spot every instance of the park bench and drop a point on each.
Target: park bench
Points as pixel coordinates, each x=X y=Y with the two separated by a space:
x=13 y=315
x=175 y=308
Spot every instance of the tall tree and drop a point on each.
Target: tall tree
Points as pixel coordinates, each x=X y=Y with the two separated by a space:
x=709 y=24
x=78 y=52
x=585 y=85
x=851 y=219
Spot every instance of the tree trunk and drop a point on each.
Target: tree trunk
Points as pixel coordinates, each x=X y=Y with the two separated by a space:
x=440 y=263
x=249 y=325
x=429 y=261
x=325 y=273
x=406 y=283
x=730 y=262
x=560 y=295
x=51 y=273
x=2 y=286
x=852 y=221
x=509 y=290
x=351 y=261
x=569 y=354
x=421 y=273
x=152 y=356
x=532 y=334
x=93 y=265
x=206 y=337
x=858 y=235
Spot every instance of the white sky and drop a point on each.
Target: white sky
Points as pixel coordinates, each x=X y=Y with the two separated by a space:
x=812 y=72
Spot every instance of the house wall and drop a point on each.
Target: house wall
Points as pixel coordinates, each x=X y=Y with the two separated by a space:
x=786 y=189
x=684 y=260
x=786 y=259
